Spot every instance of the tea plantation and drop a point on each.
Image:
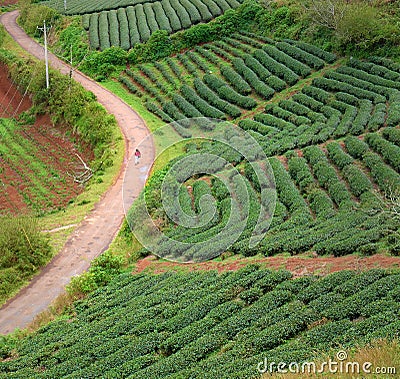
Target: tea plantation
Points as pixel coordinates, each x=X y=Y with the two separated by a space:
x=329 y=130
x=126 y=23
x=206 y=325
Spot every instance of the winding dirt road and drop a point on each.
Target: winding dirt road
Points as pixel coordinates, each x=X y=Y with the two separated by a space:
x=98 y=229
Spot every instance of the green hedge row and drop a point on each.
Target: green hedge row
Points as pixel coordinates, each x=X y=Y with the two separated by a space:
x=213 y=99
x=248 y=124
x=208 y=55
x=362 y=75
x=363 y=116
x=143 y=27
x=203 y=106
x=228 y=93
x=338 y=156
x=346 y=122
x=301 y=55
x=288 y=194
x=199 y=62
x=113 y=26
x=378 y=69
x=94 y=31
x=286 y=115
x=164 y=23
x=276 y=68
x=104 y=37
x=125 y=42
x=389 y=151
x=160 y=66
x=182 y=13
x=296 y=66
x=235 y=80
x=189 y=66
x=314 y=50
x=128 y=84
x=327 y=176
x=381 y=93
x=378 y=118
x=392 y=135
x=335 y=85
x=171 y=15
x=386 y=178
x=133 y=25
x=250 y=76
x=174 y=68
x=316 y=93
x=273 y=121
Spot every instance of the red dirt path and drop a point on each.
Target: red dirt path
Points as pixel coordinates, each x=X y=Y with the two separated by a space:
x=299 y=265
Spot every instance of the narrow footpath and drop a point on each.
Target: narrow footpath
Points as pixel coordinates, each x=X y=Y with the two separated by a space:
x=95 y=233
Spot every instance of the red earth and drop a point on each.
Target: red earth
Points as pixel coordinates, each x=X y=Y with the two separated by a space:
x=21 y=189
x=299 y=265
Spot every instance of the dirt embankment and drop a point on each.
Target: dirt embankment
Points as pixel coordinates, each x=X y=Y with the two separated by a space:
x=39 y=163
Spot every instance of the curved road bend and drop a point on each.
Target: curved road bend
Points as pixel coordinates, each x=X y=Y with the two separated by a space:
x=97 y=230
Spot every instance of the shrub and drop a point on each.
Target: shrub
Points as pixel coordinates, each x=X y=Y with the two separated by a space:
x=104 y=36
x=235 y=80
x=295 y=65
x=338 y=156
x=171 y=15
x=301 y=55
x=228 y=93
x=202 y=105
x=378 y=118
x=143 y=27
x=276 y=68
x=389 y=151
x=182 y=13
x=123 y=29
x=133 y=26
x=212 y=98
x=257 y=67
x=113 y=26
x=356 y=147
x=161 y=17
x=94 y=31
x=325 y=55
x=260 y=87
x=386 y=178
x=358 y=181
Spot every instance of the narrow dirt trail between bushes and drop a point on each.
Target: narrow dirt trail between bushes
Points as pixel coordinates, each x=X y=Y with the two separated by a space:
x=95 y=233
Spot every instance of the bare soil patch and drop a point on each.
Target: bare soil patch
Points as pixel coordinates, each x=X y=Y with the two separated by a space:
x=39 y=171
x=299 y=265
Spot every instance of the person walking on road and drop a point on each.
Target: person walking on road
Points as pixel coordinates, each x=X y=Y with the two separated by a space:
x=137 y=156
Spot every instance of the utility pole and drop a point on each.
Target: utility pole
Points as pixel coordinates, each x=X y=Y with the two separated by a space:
x=44 y=29
x=65 y=5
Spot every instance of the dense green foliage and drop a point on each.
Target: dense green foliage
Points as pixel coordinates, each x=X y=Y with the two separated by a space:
x=167 y=15
x=24 y=249
x=66 y=101
x=207 y=325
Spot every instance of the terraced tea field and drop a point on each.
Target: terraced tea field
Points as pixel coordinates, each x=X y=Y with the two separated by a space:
x=126 y=23
x=330 y=132
x=208 y=325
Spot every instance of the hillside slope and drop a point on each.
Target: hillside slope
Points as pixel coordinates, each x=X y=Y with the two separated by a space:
x=205 y=325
